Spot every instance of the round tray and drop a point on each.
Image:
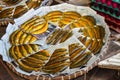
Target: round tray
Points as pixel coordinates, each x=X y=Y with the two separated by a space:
x=42 y=11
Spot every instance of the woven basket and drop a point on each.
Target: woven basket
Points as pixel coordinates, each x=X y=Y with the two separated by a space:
x=5 y=21
x=61 y=77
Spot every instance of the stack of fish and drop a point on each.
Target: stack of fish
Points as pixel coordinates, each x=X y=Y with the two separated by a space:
x=23 y=49
x=63 y=52
x=11 y=9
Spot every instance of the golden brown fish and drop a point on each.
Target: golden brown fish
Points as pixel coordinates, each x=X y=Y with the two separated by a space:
x=33 y=3
x=20 y=10
x=26 y=67
x=6 y=13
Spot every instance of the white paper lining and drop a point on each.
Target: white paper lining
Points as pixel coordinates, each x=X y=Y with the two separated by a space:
x=42 y=11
